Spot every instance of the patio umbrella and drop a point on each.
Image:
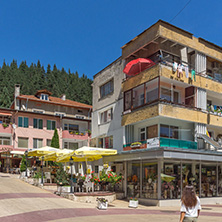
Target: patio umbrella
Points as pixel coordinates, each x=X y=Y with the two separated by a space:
x=167 y=178
x=137 y=65
x=86 y=150
x=42 y=151
x=54 y=155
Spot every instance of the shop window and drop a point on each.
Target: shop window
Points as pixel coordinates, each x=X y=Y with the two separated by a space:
x=23 y=122
x=37 y=143
x=23 y=142
x=149 y=178
x=208 y=181
x=133 y=179
x=171 y=181
x=38 y=123
x=106 y=89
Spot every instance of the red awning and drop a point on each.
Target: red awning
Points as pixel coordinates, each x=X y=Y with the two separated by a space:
x=137 y=65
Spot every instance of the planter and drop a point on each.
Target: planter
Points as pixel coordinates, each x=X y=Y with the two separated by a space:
x=102 y=205
x=63 y=189
x=133 y=203
x=37 y=181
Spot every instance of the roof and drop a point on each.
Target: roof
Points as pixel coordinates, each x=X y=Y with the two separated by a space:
x=45 y=91
x=56 y=101
x=166 y=23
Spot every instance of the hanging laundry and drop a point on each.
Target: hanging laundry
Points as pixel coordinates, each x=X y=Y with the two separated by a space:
x=186 y=71
x=180 y=70
x=193 y=75
x=175 y=65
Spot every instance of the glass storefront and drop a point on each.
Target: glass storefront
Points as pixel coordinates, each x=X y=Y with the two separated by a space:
x=142 y=179
x=171 y=181
x=133 y=179
x=208 y=181
x=149 y=180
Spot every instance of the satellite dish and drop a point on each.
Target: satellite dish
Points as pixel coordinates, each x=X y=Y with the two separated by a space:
x=23 y=107
x=13 y=126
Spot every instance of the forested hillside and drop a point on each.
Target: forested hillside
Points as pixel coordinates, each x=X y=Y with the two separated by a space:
x=35 y=77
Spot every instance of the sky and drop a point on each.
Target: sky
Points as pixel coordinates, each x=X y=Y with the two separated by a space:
x=87 y=35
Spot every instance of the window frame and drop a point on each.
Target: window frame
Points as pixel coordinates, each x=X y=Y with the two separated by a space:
x=22 y=121
x=38 y=125
x=26 y=138
x=50 y=122
x=38 y=140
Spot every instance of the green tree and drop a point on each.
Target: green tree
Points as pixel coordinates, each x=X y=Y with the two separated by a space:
x=23 y=164
x=5 y=98
x=62 y=176
x=55 y=139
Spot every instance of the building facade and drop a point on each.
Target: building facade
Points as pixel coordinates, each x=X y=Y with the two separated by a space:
x=32 y=119
x=172 y=115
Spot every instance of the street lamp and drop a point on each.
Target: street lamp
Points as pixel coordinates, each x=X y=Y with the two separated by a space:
x=26 y=153
x=42 y=170
x=71 y=164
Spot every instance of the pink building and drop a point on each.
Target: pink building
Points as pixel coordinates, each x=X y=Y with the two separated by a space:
x=31 y=121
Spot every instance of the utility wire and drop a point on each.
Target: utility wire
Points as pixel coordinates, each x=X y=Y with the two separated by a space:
x=180 y=11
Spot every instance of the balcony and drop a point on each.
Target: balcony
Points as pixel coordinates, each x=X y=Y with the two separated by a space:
x=163 y=142
x=66 y=134
x=165 y=109
x=7 y=129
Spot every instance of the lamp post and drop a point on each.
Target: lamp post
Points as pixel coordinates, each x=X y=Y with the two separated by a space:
x=26 y=173
x=42 y=170
x=71 y=164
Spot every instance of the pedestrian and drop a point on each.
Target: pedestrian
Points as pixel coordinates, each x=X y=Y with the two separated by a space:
x=190 y=205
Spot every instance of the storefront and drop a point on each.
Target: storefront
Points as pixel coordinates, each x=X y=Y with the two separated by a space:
x=161 y=174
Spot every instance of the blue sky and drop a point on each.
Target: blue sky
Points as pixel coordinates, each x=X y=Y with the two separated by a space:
x=87 y=35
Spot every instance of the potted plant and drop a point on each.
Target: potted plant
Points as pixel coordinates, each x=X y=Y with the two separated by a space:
x=133 y=202
x=135 y=144
x=89 y=132
x=102 y=203
x=62 y=180
x=5 y=125
x=37 y=178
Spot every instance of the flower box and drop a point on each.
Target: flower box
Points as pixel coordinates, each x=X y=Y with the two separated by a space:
x=133 y=203
x=102 y=204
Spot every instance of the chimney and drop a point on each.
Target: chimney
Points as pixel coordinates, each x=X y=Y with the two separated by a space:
x=17 y=93
x=63 y=97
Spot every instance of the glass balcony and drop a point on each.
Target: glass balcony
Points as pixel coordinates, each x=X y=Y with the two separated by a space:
x=184 y=144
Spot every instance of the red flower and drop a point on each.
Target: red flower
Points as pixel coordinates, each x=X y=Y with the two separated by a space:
x=111 y=169
x=92 y=172
x=108 y=176
x=115 y=175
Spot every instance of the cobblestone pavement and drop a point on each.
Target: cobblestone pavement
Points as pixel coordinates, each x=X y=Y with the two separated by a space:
x=22 y=202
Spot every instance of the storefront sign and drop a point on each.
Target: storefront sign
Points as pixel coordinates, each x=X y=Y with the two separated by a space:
x=154 y=142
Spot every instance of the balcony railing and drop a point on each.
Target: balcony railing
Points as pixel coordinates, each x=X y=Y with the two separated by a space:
x=163 y=142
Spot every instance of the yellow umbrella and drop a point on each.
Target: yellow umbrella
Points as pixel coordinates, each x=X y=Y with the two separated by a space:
x=86 y=150
x=167 y=178
x=42 y=151
x=66 y=158
x=54 y=155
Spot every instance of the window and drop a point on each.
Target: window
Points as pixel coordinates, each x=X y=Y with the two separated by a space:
x=142 y=134
x=169 y=131
x=96 y=169
x=37 y=143
x=60 y=114
x=106 y=116
x=71 y=127
x=127 y=100
x=106 y=89
x=38 y=123
x=23 y=142
x=48 y=142
x=167 y=94
x=138 y=96
x=23 y=122
x=152 y=131
x=5 y=140
x=152 y=91
x=44 y=97
x=51 y=124
x=71 y=146
x=109 y=142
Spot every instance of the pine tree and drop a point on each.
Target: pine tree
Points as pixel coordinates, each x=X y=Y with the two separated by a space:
x=61 y=176
x=5 y=98
x=23 y=164
x=55 y=139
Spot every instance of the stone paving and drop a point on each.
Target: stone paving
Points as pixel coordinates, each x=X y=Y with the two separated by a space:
x=22 y=202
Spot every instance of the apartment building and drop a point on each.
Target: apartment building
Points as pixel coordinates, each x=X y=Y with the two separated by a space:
x=172 y=115
x=32 y=119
